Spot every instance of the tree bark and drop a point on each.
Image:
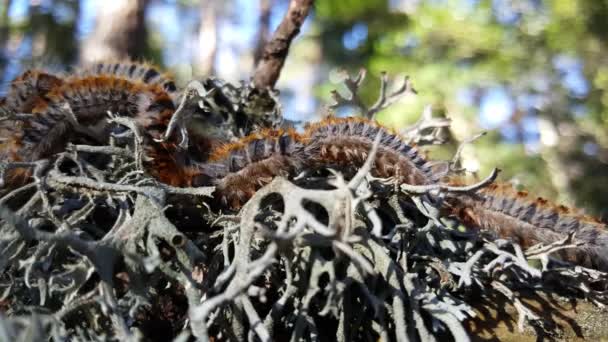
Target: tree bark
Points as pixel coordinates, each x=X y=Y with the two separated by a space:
x=120 y=32
x=275 y=51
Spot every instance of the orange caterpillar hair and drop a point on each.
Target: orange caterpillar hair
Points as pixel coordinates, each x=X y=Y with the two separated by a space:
x=133 y=71
x=517 y=216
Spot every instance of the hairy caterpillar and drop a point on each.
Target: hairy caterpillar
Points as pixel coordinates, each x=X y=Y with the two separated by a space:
x=77 y=108
x=239 y=169
x=517 y=216
x=345 y=143
x=84 y=102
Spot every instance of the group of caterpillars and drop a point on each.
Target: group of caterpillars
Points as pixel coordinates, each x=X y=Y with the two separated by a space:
x=42 y=112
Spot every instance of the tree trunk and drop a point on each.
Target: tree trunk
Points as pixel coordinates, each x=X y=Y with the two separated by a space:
x=207 y=38
x=120 y=32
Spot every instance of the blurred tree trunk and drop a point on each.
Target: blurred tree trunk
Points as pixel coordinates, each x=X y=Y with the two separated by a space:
x=551 y=153
x=4 y=24
x=263 y=29
x=52 y=40
x=4 y=33
x=43 y=37
x=120 y=32
x=207 y=38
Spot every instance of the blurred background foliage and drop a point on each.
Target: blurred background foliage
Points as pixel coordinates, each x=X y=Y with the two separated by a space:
x=534 y=73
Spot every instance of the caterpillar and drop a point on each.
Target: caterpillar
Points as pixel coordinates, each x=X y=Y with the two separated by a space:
x=239 y=169
x=88 y=100
x=518 y=216
x=206 y=129
x=77 y=108
x=345 y=143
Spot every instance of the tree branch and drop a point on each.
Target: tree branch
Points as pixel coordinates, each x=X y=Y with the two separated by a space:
x=274 y=54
